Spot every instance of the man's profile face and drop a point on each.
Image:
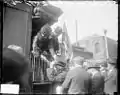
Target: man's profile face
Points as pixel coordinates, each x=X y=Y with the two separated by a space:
x=58 y=31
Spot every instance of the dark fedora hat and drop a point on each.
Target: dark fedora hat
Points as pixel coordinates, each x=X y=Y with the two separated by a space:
x=14 y=65
x=60 y=63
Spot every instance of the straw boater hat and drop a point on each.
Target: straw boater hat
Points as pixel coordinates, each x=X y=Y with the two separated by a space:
x=96 y=66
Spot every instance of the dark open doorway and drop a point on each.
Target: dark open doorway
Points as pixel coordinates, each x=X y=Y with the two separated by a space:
x=37 y=23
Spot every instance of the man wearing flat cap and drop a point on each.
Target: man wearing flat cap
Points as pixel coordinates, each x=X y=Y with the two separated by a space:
x=15 y=69
x=55 y=72
x=77 y=80
x=111 y=80
x=57 y=75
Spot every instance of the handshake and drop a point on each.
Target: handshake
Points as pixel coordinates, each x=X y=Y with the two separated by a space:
x=47 y=55
x=36 y=54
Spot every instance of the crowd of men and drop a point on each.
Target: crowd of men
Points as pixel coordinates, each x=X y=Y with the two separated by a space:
x=83 y=80
x=75 y=78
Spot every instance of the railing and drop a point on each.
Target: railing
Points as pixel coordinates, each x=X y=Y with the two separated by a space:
x=39 y=66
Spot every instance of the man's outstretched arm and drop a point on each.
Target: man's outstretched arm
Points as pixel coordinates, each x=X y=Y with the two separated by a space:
x=34 y=46
x=66 y=84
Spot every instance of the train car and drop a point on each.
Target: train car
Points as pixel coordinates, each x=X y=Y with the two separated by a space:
x=20 y=25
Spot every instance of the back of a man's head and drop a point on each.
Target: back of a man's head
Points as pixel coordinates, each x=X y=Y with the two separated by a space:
x=16 y=48
x=78 y=60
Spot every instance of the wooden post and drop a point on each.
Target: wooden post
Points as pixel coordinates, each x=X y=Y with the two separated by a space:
x=76 y=33
x=106 y=45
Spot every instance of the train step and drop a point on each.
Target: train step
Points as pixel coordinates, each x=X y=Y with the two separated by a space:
x=41 y=87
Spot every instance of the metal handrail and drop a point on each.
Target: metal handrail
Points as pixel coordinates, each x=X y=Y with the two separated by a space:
x=39 y=66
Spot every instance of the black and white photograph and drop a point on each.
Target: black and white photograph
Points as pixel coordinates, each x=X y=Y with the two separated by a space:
x=59 y=47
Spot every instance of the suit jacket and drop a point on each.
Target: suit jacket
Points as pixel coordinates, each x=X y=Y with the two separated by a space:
x=111 y=82
x=77 y=81
x=97 y=83
x=16 y=69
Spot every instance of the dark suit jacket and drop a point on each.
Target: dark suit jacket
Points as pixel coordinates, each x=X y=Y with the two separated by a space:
x=97 y=84
x=16 y=69
x=111 y=82
x=77 y=81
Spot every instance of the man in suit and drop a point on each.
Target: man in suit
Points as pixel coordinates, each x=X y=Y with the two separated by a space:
x=111 y=80
x=77 y=80
x=97 y=80
x=19 y=50
x=16 y=69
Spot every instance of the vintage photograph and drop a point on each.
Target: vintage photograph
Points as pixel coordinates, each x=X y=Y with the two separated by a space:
x=59 y=47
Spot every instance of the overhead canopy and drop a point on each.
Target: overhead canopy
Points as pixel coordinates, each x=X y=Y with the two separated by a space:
x=47 y=14
x=44 y=7
x=52 y=11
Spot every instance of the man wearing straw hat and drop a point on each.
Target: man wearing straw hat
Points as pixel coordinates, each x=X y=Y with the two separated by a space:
x=77 y=80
